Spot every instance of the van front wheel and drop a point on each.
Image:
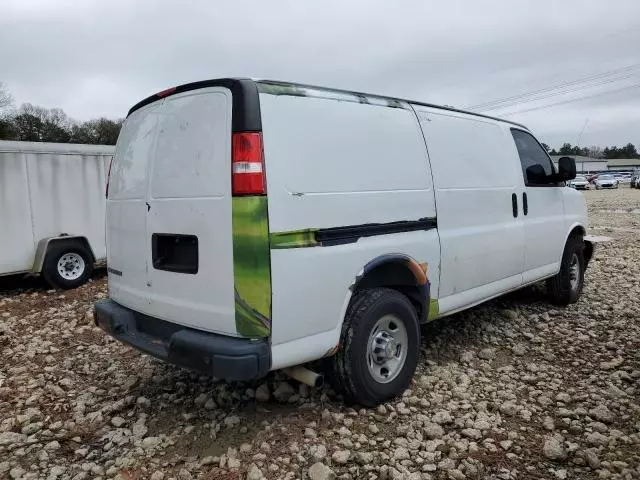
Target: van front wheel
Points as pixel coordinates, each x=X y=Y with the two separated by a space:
x=566 y=286
x=379 y=347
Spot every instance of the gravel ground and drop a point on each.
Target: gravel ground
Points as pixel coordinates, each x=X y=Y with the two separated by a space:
x=513 y=389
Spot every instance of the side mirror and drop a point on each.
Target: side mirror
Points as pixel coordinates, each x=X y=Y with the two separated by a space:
x=536 y=175
x=566 y=168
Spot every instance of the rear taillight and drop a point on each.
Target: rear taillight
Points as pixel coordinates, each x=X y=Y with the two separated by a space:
x=106 y=190
x=247 y=164
x=166 y=92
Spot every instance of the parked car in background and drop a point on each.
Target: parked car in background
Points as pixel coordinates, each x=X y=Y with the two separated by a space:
x=623 y=177
x=579 y=183
x=255 y=226
x=635 y=179
x=52 y=206
x=606 y=180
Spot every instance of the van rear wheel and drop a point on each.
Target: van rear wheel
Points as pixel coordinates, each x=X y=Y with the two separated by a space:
x=566 y=286
x=379 y=348
x=67 y=265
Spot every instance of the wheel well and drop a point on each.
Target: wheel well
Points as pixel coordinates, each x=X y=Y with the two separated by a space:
x=588 y=252
x=577 y=231
x=588 y=246
x=79 y=241
x=397 y=275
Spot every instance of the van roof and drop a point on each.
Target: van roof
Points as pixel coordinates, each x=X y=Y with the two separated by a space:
x=247 y=87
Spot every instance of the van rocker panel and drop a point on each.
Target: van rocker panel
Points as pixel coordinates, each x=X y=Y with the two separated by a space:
x=220 y=356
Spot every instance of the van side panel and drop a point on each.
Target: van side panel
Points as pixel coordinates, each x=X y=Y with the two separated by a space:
x=338 y=162
x=475 y=177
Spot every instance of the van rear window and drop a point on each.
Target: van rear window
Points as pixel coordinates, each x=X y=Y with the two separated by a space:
x=129 y=169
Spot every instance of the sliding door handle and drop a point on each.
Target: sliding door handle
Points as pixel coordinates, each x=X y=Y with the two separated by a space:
x=525 y=203
x=514 y=204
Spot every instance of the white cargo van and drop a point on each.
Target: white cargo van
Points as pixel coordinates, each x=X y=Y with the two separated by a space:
x=52 y=208
x=259 y=225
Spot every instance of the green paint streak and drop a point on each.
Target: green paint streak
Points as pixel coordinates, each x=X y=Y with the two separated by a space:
x=294 y=239
x=328 y=94
x=434 y=310
x=249 y=322
x=251 y=266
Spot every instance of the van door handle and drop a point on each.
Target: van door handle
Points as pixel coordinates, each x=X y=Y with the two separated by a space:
x=514 y=204
x=525 y=203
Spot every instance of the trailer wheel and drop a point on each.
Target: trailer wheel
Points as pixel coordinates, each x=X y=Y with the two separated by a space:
x=67 y=265
x=379 y=347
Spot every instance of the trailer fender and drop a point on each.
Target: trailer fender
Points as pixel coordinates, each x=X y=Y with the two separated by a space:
x=44 y=243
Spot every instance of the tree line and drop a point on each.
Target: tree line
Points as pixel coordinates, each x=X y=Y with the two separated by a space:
x=31 y=123
x=628 y=151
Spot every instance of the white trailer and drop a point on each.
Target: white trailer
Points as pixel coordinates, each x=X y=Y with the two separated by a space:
x=52 y=209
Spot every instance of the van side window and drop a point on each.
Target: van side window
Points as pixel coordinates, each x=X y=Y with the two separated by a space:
x=531 y=153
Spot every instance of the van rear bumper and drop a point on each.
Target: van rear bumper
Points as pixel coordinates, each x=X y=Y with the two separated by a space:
x=220 y=356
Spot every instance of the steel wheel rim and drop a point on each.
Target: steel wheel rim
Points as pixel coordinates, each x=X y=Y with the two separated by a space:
x=71 y=266
x=574 y=272
x=387 y=348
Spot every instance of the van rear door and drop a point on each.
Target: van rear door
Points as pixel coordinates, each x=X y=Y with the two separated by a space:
x=126 y=216
x=189 y=227
x=172 y=244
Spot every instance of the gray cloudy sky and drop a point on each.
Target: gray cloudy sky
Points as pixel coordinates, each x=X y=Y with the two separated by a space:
x=97 y=58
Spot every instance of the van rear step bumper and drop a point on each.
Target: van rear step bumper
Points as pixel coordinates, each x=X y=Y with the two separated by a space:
x=220 y=356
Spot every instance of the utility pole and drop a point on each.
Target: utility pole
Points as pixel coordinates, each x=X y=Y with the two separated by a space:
x=581 y=132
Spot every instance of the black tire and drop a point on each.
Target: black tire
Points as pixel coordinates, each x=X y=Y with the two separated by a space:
x=55 y=253
x=351 y=373
x=560 y=288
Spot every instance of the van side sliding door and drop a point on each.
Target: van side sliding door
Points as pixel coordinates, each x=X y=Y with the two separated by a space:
x=479 y=216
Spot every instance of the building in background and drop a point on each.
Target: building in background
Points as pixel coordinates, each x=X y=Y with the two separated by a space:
x=596 y=165
x=584 y=164
x=623 y=164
